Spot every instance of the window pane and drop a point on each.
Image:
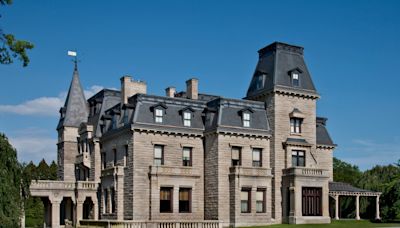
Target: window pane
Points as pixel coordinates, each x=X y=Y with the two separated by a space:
x=187 y=115
x=259 y=206
x=246 y=123
x=246 y=116
x=244 y=195
x=235 y=153
x=159 y=112
x=256 y=155
x=186 y=123
x=301 y=161
x=259 y=195
x=157 y=151
x=244 y=206
x=295 y=76
x=158 y=119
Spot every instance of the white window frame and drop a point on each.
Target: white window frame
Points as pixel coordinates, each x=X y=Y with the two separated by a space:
x=295 y=76
x=246 y=119
x=187 y=119
x=158 y=115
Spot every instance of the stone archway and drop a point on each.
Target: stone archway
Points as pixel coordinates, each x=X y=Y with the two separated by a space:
x=66 y=210
x=88 y=209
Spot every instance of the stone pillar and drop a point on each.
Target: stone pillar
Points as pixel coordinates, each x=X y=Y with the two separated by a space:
x=55 y=213
x=377 y=216
x=95 y=209
x=79 y=211
x=357 y=207
x=337 y=207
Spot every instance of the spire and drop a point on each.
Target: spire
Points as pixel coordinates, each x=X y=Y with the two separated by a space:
x=281 y=67
x=75 y=110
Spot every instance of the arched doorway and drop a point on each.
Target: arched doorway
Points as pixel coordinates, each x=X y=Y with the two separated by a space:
x=88 y=208
x=66 y=210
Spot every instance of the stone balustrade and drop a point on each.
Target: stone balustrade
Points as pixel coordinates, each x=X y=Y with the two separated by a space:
x=83 y=158
x=151 y=224
x=86 y=185
x=250 y=171
x=50 y=185
x=174 y=171
x=305 y=171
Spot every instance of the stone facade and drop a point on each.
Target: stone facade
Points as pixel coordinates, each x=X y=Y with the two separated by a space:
x=190 y=156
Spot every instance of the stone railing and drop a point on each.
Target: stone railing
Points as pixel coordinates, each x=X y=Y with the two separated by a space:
x=150 y=224
x=304 y=171
x=47 y=185
x=118 y=170
x=87 y=185
x=174 y=171
x=250 y=171
x=83 y=158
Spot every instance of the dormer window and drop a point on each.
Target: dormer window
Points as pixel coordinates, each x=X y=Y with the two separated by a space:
x=295 y=125
x=246 y=119
x=187 y=119
x=158 y=117
x=260 y=79
x=295 y=79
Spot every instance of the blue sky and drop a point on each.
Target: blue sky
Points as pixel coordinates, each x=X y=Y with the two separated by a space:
x=351 y=48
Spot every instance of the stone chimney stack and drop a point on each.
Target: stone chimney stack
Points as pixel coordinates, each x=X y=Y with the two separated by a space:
x=192 y=88
x=131 y=87
x=170 y=91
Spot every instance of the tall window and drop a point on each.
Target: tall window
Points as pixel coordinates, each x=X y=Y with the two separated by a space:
x=158 y=116
x=260 y=200
x=105 y=200
x=185 y=195
x=260 y=81
x=126 y=116
x=114 y=122
x=295 y=79
x=246 y=119
x=295 y=125
x=126 y=155
x=311 y=201
x=166 y=199
x=113 y=200
x=236 y=156
x=245 y=200
x=187 y=117
x=115 y=156
x=187 y=156
x=103 y=158
x=158 y=155
x=298 y=158
x=257 y=162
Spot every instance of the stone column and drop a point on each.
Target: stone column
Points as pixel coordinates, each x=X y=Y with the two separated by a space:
x=377 y=216
x=79 y=211
x=337 y=207
x=55 y=213
x=95 y=209
x=357 y=207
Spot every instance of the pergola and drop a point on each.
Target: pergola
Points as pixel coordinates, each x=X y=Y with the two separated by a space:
x=337 y=189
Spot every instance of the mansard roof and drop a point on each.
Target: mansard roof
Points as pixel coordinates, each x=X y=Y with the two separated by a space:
x=75 y=110
x=323 y=137
x=275 y=64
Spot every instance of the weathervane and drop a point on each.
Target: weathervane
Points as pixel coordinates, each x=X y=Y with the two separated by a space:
x=75 y=60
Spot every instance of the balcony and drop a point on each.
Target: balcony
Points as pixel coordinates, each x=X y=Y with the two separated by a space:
x=52 y=185
x=87 y=185
x=174 y=171
x=84 y=159
x=250 y=171
x=306 y=172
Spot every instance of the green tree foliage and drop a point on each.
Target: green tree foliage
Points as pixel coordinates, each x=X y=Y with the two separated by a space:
x=345 y=172
x=12 y=48
x=10 y=179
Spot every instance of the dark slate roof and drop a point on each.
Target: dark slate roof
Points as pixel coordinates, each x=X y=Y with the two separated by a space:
x=323 y=137
x=202 y=96
x=276 y=61
x=75 y=110
x=345 y=187
x=107 y=98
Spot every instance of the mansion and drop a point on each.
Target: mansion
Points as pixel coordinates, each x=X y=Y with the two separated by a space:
x=130 y=157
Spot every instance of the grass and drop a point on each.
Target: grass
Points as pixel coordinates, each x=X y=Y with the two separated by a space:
x=339 y=224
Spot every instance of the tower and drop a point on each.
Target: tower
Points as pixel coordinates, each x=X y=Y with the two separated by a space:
x=283 y=82
x=74 y=112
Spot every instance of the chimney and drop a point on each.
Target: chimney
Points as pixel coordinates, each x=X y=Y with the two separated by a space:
x=192 y=88
x=130 y=87
x=170 y=91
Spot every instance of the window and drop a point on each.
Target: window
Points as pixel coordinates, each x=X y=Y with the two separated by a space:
x=158 y=155
x=236 y=156
x=298 y=158
x=185 y=195
x=159 y=116
x=105 y=200
x=187 y=116
x=112 y=200
x=126 y=116
x=295 y=125
x=246 y=119
x=114 y=122
x=260 y=201
x=187 y=156
x=115 y=156
x=311 y=201
x=295 y=79
x=260 y=81
x=245 y=200
x=126 y=155
x=257 y=162
x=103 y=158
x=166 y=200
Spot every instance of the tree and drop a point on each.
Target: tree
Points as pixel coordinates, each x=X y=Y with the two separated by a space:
x=345 y=172
x=10 y=187
x=12 y=48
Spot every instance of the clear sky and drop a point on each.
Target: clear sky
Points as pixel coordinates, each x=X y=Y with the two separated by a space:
x=351 y=49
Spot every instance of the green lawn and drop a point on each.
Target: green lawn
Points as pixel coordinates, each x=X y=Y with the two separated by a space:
x=339 y=224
